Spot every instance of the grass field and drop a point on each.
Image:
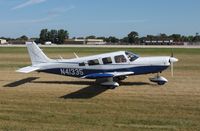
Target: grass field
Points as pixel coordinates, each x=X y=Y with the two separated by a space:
x=49 y=102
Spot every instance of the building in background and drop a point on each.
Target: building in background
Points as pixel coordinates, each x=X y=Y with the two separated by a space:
x=3 y=41
x=85 y=41
x=158 y=42
x=48 y=43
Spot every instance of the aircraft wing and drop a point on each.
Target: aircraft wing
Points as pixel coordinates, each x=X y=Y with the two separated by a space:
x=27 y=69
x=107 y=75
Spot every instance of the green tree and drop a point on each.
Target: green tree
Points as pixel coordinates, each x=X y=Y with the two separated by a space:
x=103 y=38
x=23 y=38
x=62 y=35
x=113 y=39
x=80 y=38
x=162 y=36
x=185 y=38
x=124 y=40
x=53 y=36
x=91 y=37
x=176 y=37
x=150 y=37
x=190 y=38
x=132 y=37
x=43 y=35
x=196 y=38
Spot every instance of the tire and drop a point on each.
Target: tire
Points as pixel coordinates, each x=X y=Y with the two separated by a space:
x=161 y=83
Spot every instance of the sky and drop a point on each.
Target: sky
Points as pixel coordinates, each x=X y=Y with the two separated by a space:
x=99 y=17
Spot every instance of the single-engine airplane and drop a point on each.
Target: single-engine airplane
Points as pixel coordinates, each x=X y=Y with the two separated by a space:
x=108 y=69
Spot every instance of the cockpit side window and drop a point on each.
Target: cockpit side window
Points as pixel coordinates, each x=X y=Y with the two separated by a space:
x=131 y=56
x=120 y=59
x=93 y=62
x=107 y=60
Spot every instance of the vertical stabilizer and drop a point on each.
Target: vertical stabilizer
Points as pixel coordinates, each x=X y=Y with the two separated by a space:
x=36 y=54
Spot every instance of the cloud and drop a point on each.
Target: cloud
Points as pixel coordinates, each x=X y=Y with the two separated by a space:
x=40 y=20
x=50 y=16
x=28 y=3
x=60 y=10
x=118 y=21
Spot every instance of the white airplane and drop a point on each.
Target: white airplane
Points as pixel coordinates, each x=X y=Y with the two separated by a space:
x=108 y=69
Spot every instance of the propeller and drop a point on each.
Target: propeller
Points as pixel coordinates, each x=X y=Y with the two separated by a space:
x=172 y=52
x=172 y=60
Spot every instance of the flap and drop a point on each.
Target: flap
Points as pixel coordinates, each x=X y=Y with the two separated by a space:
x=98 y=75
x=116 y=74
x=107 y=75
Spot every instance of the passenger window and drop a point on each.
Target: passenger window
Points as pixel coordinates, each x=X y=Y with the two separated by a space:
x=93 y=62
x=107 y=60
x=120 y=59
x=82 y=64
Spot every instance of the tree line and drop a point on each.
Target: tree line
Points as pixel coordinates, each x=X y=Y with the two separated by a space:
x=59 y=36
x=133 y=38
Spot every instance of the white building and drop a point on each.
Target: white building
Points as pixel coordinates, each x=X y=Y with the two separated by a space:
x=2 y=41
x=158 y=42
x=91 y=41
x=48 y=43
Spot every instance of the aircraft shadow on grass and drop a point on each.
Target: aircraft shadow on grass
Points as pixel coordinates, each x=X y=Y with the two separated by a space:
x=21 y=82
x=88 y=92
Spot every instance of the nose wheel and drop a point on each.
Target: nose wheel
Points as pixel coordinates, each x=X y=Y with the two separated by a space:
x=160 y=80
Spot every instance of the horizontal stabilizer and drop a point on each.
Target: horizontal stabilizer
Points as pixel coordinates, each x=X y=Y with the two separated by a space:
x=27 y=69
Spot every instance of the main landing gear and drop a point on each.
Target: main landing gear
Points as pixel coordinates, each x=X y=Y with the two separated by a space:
x=108 y=82
x=160 y=80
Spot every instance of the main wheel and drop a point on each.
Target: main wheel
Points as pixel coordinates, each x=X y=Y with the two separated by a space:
x=161 y=83
x=120 y=78
x=112 y=87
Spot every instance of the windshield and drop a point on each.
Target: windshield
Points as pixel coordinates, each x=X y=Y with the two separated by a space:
x=131 y=56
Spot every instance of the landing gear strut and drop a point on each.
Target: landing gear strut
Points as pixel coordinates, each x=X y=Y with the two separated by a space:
x=160 y=80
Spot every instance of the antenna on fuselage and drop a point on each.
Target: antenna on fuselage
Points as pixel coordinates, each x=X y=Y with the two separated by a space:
x=76 y=55
x=61 y=57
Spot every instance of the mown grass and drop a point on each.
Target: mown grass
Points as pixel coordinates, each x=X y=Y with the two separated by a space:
x=87 y=50
x=136 y=105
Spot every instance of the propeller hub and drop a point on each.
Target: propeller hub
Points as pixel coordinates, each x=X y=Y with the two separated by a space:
x=173 y=59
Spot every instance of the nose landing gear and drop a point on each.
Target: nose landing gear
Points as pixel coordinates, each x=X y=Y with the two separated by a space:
x=160 y=80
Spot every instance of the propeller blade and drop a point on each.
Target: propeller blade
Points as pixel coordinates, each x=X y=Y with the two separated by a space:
x=172 y=60
x=172 y=69
x=172 y=53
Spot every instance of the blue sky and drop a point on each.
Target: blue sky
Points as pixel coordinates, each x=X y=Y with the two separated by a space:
x=99 y=17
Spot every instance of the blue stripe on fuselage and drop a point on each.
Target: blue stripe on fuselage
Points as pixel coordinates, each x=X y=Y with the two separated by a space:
x=83 y=72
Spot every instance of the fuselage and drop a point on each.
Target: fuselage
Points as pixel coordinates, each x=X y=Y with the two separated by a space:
x=120 y=61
